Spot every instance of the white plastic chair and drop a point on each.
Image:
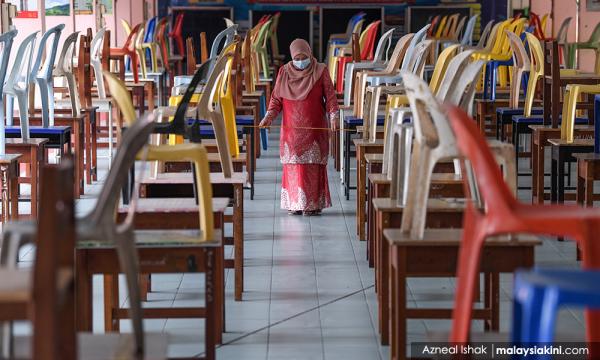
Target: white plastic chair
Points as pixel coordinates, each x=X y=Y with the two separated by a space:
x=6 y=42
x=17 y=84
x=64 y=68
x=42 y=72
x=378 y=62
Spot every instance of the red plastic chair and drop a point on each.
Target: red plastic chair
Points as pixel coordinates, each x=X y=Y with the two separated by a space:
x=534 y=20
x=366 y=53
x=161 y=31
x=434 y=23
x=177 y=35
x=504 y=214
x=128 y=49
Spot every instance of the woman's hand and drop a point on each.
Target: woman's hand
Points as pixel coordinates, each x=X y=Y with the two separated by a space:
x=265 y=122
x=334 y=122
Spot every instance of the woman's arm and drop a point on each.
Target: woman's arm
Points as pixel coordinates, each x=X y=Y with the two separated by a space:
x=275 y=106
x=331 y=105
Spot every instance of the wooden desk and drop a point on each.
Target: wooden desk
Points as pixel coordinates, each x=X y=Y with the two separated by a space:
x=32 y=152
x=436 y=255
x=441 y=213
x=363 y=147
x=9 y=184
x=181 y=185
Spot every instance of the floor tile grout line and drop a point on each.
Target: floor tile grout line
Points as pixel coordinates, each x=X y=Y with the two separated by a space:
x=312 y=245
x=356 y=260
x=277 y=169
x=291 y=317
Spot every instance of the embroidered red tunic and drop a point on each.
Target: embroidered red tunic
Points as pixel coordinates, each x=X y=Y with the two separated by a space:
x=304 y=151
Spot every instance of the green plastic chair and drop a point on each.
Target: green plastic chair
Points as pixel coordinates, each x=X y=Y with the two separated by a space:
x=260 y=47
x=593 y=43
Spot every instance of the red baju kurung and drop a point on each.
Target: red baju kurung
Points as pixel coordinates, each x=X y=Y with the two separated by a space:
x=304 y=152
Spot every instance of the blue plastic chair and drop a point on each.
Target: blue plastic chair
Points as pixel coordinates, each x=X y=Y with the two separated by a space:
x=348 y=34
x=538 y=296
x=149 y=37
x=264 y=135
x=6 y=41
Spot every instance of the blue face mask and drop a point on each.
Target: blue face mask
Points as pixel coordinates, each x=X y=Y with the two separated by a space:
x=301 y=64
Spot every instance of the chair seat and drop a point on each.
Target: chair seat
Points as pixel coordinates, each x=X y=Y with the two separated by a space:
x=539 y=120
x=15 y=285
x=506 y=111
x=355 y=121
x=37 y=131
x=104 y=346
x=572 y=281
x=244 y=120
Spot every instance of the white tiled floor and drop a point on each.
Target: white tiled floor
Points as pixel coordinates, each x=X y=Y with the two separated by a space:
x=308 y=292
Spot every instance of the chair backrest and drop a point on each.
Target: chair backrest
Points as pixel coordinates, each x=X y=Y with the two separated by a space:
x=399 y=53
x=536 y=71
x=6 y=42
x=450 y=25
x=64 y=67
x=121 y=96
x=351 y=27
x=383 y=46
x=561 y=36
x=163 y=44
x=226 y=35
x=487 y=30
x=419 y=36
x=207 y=109
x=96 y=61
x=521 y=64
x=225 y=97
x=434 y=22
x=150 y=30
x=126 y=26
x=441 y=65
x=473 y=146
x=367 y=48
x=100 y=224
x=467 y=37
x=228 y=22
x=467 y=86
x=455 y=67
x=493 y=36
x=46 y=68
x=417 y=63
x=459 y=28
x=53 y=289
x=21 y=69
x=441 y=27
x=595 y=36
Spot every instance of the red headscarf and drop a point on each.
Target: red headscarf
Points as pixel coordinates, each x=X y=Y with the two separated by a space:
x=293 y=83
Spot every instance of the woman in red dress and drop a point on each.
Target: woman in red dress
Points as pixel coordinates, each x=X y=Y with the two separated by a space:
x=305 y=93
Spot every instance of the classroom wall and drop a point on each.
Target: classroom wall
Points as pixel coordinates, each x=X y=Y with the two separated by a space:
x=562 y=10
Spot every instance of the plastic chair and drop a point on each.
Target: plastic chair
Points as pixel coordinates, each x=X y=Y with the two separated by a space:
x=340 y=48
x=64 y=67
x=434 y=22
x=346 y=37
x=441 y=27
x=538 y=296
x=129 y=49
x=467 y=38
x=366 y=53
x=504 y=214
x=379 y=59
x=561 y=39
x=176 y=33
x=228 y=22
x=6 y=42
x=149 y=44
x=260 y=48
x=42 y=73
x=391 y=70
x=17 y=84
x=226 y=37
x=163 y=44
x=593 y=43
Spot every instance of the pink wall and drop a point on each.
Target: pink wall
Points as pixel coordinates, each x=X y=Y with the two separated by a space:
x=564 y=9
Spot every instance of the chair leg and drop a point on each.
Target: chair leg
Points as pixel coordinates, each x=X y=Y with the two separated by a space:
x=24 y=117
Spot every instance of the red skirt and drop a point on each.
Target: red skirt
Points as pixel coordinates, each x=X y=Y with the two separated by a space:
x=304 y=187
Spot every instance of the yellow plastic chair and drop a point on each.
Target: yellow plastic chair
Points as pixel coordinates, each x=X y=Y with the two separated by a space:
x=441 y=27
x=121 y=96
x=543 y=24
x=225 y=98
x=196 y=154
x=450 y=26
